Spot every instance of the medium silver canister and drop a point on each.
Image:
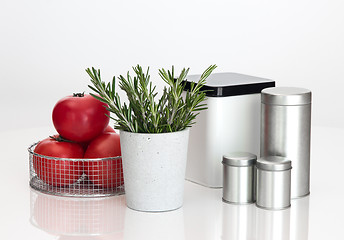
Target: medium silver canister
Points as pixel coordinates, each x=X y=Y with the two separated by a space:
x=286 y=131
x=239 y=178
x=273 y=182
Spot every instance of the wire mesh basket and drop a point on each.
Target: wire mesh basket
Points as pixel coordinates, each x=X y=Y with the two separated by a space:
x=96 y=177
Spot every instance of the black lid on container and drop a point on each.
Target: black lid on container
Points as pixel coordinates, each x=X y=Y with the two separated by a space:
x=230 y=84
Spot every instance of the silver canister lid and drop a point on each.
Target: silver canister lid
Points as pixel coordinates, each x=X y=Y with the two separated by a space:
x=286 y=96
x=239 y=159
x=273 y=163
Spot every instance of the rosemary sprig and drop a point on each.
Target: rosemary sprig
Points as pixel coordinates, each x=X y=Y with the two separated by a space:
x=143 y=114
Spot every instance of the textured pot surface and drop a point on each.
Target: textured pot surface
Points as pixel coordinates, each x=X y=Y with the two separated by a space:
x=154 y=169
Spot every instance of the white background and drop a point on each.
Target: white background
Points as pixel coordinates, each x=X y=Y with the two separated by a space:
x=45 y=45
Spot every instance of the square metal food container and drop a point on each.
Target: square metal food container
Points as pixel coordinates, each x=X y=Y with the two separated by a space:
x=230 y=124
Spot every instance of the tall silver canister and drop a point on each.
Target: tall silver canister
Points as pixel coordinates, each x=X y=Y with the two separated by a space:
x=286 y=131
x=273 y=182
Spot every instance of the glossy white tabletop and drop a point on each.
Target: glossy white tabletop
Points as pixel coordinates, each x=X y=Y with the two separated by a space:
x=27 y=214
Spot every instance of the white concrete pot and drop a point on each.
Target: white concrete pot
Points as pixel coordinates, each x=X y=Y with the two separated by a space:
x=154 y=169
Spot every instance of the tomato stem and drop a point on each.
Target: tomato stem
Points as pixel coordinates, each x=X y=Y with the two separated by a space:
x=79 y=94
x=60 y=139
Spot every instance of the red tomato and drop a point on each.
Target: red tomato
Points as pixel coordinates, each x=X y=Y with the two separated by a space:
x=105 y=173
x=58 y=172
x=80 y=117
x=109 y=129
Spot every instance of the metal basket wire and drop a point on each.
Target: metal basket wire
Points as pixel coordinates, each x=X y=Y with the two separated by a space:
x=98 y=177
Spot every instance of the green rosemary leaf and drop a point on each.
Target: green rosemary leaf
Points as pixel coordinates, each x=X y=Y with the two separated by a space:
x=144 y=114
x=98 y=98
x=93 y=88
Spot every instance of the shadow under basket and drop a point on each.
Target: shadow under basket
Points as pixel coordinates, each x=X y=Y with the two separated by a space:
x=97 y=177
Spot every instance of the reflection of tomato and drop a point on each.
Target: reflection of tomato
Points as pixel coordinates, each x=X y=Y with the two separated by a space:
x=58 y=172
x=56 y=215
x=104 y=173
x=76 y=216
x=109 y=236
x=80 y=117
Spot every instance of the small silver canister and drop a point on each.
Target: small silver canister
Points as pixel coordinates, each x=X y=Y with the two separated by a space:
x=273 y=182
x=239 y=178
x=286 y=131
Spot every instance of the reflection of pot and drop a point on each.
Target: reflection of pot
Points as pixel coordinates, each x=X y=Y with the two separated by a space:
x=77 y=216
x=166 y=226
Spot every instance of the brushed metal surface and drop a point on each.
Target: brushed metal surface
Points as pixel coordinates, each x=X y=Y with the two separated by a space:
x=238 y=184
x=273 y=189
x=286 y=132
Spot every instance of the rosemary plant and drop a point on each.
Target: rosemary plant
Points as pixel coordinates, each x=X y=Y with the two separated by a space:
x=144 y=114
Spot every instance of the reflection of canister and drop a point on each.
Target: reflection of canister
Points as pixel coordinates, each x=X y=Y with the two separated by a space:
x=285 y=131
x=299 y=219
x=238 y=222
x=238 y=177
x=272 y=225
x=273 y=182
